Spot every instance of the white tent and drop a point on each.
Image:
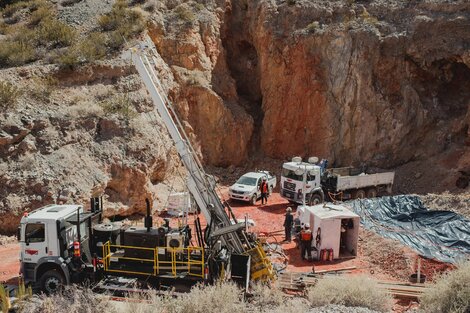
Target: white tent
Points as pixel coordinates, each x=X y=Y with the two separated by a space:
x=338 y=227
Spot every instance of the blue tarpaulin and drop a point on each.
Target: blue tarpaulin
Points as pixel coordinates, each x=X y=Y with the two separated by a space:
x=441 y=235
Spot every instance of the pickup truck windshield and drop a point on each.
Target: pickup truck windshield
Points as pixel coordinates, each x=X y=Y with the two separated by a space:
x=250 y=181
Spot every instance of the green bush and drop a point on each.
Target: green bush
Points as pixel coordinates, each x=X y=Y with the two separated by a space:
x=353 y=291
x=9 y=95
x=450 y=293
x=54 y=32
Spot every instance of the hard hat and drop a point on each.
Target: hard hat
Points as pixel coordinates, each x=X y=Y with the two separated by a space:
x=289 y=209
x=307 y=225
x=264 y=178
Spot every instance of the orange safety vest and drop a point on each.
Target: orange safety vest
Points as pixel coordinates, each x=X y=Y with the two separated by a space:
x=306 y=235
x=264 y=187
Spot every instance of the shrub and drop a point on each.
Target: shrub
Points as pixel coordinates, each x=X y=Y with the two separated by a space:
x=119 y=105
x=183 y=12
x=355 y=291
x=11 y=9
x=122 y=23
x=43 y=12
x=72 y=300
x=221 y=298
x=150 y=6
x=313 y=26
x=9 y=95
x=68 y=58
x=42 y=88
x=367 y=18
x=15 y=53
x=93 y=47
x=291 y=2
x=450 y=293
x=56 y=33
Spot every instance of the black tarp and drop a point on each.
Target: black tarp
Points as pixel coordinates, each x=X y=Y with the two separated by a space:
x=441 y=235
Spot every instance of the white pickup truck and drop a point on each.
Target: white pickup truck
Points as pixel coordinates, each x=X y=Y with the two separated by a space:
x=248 y=187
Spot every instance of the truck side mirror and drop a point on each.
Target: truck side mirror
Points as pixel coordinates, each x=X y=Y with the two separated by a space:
x=18 y=233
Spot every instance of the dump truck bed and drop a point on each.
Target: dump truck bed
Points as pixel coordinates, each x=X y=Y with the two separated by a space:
x=363 y=181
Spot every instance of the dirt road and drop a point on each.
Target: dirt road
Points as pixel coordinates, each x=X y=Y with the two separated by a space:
x=9 y=262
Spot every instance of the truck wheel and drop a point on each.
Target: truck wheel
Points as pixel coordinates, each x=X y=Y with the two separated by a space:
x=253 y=199
x=359 y=194
x=315 y=199
x=51 y=282
x=372 y=193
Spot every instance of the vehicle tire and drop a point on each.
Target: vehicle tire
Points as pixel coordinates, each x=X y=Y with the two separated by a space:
x=372 y=193
x=315 y=199
x=359 y=194
x=253 y=199
x=51 y=282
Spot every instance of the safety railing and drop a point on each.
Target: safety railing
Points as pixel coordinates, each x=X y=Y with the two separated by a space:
x=153 y=261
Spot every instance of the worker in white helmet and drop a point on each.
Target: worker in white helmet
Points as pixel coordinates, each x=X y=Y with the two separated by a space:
x=306 y=242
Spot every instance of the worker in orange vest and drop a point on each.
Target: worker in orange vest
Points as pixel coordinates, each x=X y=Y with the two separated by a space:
x=264 y=191
x=306 y=242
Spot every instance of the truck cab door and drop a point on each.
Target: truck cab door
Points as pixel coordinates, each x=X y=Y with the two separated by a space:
x=34 y=245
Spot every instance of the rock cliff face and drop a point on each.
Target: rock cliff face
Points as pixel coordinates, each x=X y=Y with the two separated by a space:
x=373 y=81
x=385 y=83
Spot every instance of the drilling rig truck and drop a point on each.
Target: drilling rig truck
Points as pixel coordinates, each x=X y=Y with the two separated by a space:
x=63 y=244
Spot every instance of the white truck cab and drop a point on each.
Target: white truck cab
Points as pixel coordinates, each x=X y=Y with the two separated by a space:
x=301 y=181
x=46 y=238
x=248 y=186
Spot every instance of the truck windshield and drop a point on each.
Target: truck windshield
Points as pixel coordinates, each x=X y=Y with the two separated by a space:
x=290 y=174
x=250 y=181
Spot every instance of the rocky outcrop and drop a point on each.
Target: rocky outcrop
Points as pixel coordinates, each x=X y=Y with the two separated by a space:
x=68 y=149
x=200 y=83
x=377 y=82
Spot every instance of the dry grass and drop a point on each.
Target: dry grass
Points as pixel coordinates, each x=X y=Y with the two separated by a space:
x=42 y=88
x=54 y=32
x=354 y=291
x=42 y=13
x=184 y=12
x=119 y=105
x=71 y=300
x=9 y=95
x=450 y=293
x=122 y=24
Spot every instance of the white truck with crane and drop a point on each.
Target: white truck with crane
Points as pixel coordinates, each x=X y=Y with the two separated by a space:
x=62 y=244
x=312 y=182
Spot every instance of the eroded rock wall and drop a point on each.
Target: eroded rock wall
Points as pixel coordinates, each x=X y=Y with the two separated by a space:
x=373 y=82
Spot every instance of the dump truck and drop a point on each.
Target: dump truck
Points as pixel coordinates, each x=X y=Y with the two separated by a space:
x=63 y=244
x=312 y=182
